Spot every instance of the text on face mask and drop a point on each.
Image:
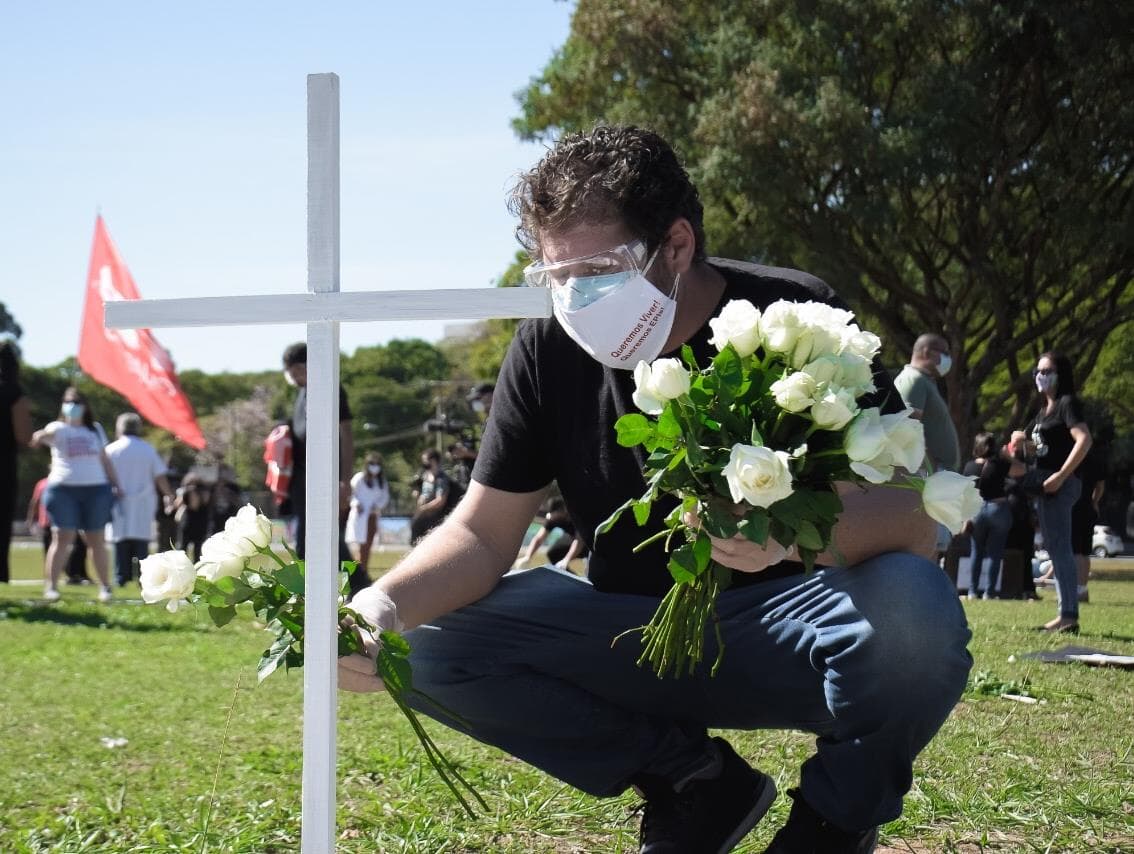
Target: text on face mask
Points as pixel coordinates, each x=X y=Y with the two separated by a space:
x=645 y=325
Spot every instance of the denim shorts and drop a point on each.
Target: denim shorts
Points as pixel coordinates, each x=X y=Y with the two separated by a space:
x=78 y=508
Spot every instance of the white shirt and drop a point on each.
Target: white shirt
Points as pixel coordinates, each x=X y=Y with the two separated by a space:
x=75 y=459
x=368 y=498
x=136 y=464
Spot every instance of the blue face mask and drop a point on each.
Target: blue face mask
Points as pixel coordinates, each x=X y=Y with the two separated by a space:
x=72 y=410
x=582 y=291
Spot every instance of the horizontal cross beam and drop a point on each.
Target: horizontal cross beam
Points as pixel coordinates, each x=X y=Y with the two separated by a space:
x=344 y=307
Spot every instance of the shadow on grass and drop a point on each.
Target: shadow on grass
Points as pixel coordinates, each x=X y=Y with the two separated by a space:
x=38 y=612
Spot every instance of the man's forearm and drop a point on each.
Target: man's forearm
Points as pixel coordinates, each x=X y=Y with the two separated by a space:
x=450 y=568
x=876 y=520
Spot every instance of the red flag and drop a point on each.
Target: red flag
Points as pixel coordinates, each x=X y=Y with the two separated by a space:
x=130 y=361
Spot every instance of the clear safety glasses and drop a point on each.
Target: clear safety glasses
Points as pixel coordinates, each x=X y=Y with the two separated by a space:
x=627 y=258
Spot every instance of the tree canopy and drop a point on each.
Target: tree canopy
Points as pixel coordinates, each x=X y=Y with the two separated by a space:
x=962 y=168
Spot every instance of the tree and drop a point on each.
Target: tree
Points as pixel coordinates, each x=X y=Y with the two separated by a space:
x=954 y=167
x=8 y=325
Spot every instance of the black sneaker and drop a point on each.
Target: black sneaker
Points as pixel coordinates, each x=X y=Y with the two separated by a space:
x=707 y=816
x=807 y=832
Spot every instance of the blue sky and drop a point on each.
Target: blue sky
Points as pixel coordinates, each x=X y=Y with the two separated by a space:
x=185 y=125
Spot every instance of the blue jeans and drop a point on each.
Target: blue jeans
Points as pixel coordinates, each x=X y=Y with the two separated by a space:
x=871 y=659
x=990 y=533
x=1054 y=513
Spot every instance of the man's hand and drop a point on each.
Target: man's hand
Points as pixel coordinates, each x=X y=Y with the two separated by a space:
x=1054 y=482
x=357 y=672
x=740 y=553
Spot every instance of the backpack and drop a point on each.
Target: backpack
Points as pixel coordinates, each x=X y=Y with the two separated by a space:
x=277 y=454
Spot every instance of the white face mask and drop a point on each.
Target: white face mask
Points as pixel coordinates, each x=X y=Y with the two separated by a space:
x=629 y=323
x=478 y=406
x=944 y=365
x=289 y=379
x=374 y=469
x=1045 y=382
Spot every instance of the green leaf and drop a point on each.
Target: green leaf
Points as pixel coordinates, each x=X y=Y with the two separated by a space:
x=641 y=512
x=395 y=672
x=719 y=521
x=755 y=525
x=394 y=643
x=221 y=616
x=668 y=426
x=756 y=437
x=290 y=577
x=683 y=565
x=728 y=371
x=688 y=357
x=807 y=536
x=633 y=429
x=702 y=551
x=610 y=521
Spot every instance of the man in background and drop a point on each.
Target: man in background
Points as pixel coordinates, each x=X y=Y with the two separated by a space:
x=141 y=475
x=917 y=384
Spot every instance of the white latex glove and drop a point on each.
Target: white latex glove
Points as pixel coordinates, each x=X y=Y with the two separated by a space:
x=356 y=672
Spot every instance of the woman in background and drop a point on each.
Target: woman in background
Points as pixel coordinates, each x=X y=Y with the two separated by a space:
x=1060 y=440
x=369 y=496
x=80 y=490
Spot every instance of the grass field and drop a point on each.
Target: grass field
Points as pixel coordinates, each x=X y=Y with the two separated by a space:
x=212 y=761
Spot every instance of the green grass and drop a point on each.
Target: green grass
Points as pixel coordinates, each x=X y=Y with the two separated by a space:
x=1057 y=775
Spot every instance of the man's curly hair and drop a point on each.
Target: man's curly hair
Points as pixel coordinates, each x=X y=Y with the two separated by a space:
x=610 y=174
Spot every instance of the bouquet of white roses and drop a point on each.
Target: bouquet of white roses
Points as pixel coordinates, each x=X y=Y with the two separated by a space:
x=237 y=566
x=754 y=444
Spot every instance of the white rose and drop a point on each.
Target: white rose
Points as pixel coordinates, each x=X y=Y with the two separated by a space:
x=905 y=440
x=223 y=557
x=876 y=471
x=249 y=525
x=759 y=476
x=795 y=392
x=780 y=326
x=738 y=324
x=855 y=372
x=859 y=342
x=167 y=576
x=865 y=439
x=658 y=383
x=834 y=409
x=951 y=499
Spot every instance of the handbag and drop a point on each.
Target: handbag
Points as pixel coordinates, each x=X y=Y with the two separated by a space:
x=1033 y=479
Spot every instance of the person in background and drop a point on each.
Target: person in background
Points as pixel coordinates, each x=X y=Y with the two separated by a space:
x=917 y=384
x=1060 y=440
x=463 y=452
x=39 y=523
x=868 y=653
x=295 y=373
x=1085 y=515
x=191 y=505
x=15 y=433
x=81 y=488
x=369 y=496
x=990 y=527
x=434 y=501
x=1019 y=547
x=566 y=547
x=165 y=514
x=140 y=471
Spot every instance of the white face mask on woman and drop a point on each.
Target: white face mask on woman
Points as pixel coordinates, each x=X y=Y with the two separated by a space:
x=629 y=322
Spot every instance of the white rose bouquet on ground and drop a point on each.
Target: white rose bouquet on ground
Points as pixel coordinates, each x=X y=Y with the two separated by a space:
x=754 y=444
x=238 y=566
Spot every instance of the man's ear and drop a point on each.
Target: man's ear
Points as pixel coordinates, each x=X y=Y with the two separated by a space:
x=680 y=246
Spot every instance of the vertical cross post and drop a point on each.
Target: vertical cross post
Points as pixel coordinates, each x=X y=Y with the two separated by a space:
x=320 y=683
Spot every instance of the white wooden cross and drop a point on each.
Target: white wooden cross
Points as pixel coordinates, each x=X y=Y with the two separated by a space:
x=323 y=308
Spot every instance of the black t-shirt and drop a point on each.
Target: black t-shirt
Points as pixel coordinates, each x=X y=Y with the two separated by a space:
x=299 y=426
x=561 y=521
x=1052 y=432
x=991 y=476
x=553 y=415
